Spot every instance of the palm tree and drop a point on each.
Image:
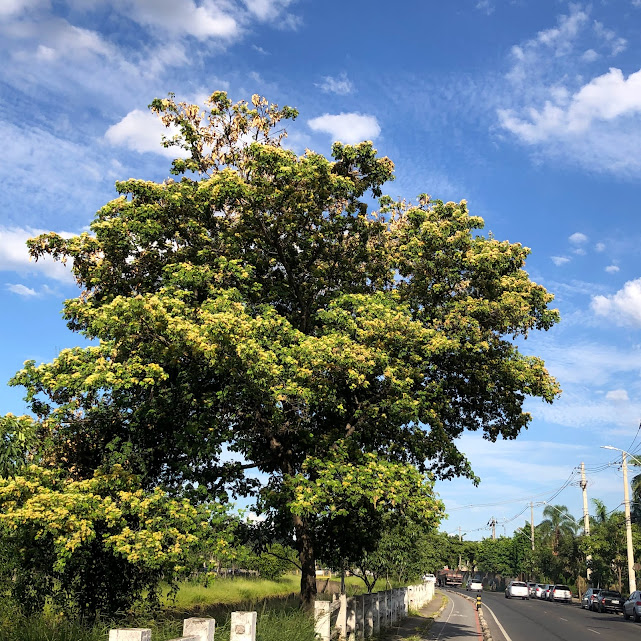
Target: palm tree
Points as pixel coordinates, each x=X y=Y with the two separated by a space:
x=557 y=524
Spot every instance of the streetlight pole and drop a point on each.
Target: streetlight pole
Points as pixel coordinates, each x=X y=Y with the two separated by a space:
x=632 y=581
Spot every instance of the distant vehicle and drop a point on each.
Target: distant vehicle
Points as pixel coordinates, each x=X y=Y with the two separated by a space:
x=449 y=578
x=589 y=597
x=561 y=594
x=517 y=590
x=429 y=578
x=532 y=589
x=474 y=585
x=548 y=589
x=609 y=601
x=632 y=607
x=538 y=591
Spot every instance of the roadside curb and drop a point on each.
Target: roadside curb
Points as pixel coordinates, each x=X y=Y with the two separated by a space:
x=485 y=629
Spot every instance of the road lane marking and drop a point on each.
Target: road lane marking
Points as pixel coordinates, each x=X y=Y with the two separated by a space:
x=447 y=620
x=501 y=628
x=562 y=619
x=595 y=632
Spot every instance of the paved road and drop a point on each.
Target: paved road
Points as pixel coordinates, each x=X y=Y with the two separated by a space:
x=536 y=620
x=458 y=622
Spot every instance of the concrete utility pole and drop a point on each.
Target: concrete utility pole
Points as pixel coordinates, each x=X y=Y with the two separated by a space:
x=532 y=524
x=492 y=523
x=632 y=579
x=586 y=518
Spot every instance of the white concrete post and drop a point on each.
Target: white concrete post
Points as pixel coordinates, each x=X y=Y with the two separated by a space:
x=323 y=620
x=185 y=639
x=394 y=605
x=368 y=612
x=376 y=613
x=243 y=626
x=133 y=634
x=351 y=619
x=202 y=629
x=406 y=602
x=341 y=623
x=359 y=605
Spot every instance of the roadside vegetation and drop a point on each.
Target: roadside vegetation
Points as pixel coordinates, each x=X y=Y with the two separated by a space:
x=252 y=328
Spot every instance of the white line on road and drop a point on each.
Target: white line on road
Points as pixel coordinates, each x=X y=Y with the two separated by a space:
x=595 y=632
x=501 y=628
x=562 y=619
x=447 y=620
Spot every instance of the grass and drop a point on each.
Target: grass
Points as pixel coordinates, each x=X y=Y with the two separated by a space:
x=279 y=615
x=232 y=591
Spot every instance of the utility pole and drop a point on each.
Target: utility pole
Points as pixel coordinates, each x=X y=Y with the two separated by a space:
x=586 y=518
x=492 y=523
x=532 y=524
x=460 y=538
x=632 y=580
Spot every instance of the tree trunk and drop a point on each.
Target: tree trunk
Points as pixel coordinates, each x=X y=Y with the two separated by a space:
x=307 y=562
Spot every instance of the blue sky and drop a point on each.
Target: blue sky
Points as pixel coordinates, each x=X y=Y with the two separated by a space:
x=529 y=110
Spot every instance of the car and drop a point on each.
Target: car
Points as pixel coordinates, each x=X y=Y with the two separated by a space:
x=632 y=606
x=589 y=597
x=429 y=578
x=561 y=594
x=609 y=601
x=538 y=591
x=517 y=590
x=474 y=585
x=532 y=589
x=546 y=591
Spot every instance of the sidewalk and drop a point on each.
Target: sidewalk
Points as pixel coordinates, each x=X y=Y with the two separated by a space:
x=417 y=627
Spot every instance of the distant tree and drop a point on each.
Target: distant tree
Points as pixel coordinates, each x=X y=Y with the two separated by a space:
x=557 y=525
x=258 y=304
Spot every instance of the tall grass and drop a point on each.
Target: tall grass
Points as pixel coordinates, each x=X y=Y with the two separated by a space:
x=279 y=616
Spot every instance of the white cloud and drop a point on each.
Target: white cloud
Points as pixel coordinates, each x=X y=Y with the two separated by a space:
x=14 y=255
x=610 y=38
x=58 y=39
x=349 y=128
x=340 y=85
x=624 y=307
x=617 y=395
x=486 y=6
x=607 y=98
x=21 y=290
x=16 y=7
x=590 y=55
x=552 y=103
x=612 y=269
x=560 y=260
x=206 y=20
x=578 y=238
x=599 y=247
x=142 y=131
x=267 y=9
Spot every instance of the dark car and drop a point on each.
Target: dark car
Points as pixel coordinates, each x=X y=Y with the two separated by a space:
x=609 y=601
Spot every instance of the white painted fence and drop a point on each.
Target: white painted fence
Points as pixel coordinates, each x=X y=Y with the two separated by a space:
x=366 y=615
x=345 y=619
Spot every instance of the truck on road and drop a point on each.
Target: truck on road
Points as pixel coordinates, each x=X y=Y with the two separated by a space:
x=449 y=578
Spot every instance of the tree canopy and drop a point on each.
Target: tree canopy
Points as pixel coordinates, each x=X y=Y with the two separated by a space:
x=258 y=307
